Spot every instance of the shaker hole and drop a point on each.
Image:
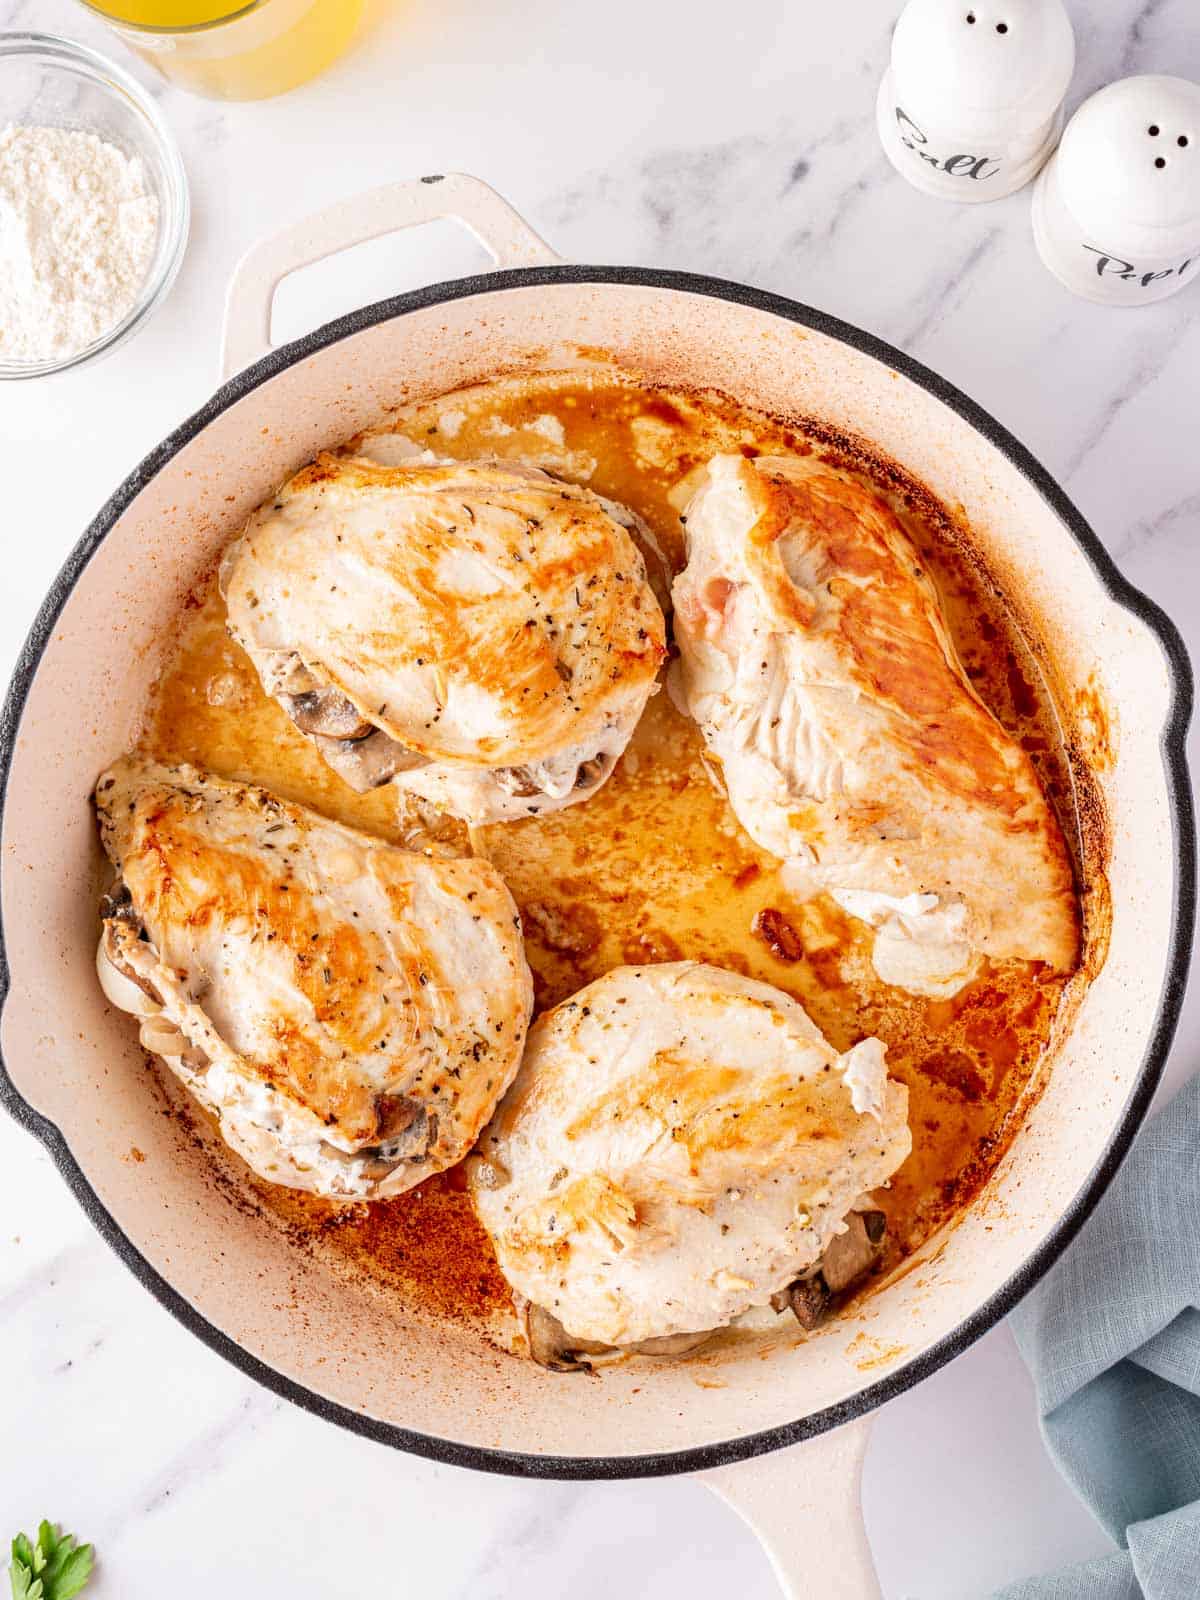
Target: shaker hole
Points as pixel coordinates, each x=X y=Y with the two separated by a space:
x=1152 y=130
x=971 y=18
x=1182 y=141
x=1002 y=27
x=1160 y=161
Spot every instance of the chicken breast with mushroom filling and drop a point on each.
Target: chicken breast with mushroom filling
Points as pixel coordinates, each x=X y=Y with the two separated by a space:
x=680 y=1145
x=815 y=657
x=482 y=635
x=350 y=1012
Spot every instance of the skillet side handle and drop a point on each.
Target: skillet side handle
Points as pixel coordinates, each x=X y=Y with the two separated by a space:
x=804 y=1505
x=504 y=234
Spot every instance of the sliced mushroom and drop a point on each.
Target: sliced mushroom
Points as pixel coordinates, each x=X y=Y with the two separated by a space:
x=116 y=904
x=875 y=1222
x=394 y=1114
x=850 y=1256
x=518 y=781
x=410 y=1143
x=327 y=712
x=592 y=772
x=358 y=751
x=552 y=1347
x=807 y=1299
x=672 y=1344
x=368 y=763
x=407 y=1132
x=365 y=1163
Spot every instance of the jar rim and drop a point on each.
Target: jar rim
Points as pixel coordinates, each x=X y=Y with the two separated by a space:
x=236 y=15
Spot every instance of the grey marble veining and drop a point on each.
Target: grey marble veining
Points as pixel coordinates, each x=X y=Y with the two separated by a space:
x=742 y=146
x=1181 y=519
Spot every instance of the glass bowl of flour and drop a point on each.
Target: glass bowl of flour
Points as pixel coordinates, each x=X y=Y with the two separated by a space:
x=93 y=205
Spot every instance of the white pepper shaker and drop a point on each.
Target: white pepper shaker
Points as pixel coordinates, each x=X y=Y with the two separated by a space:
x=971 y=104
x=1116 y=213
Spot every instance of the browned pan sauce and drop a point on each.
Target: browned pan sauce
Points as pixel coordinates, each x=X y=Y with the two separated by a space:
x=655 y=867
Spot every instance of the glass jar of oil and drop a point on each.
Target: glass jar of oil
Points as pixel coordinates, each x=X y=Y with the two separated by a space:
x=235 y=51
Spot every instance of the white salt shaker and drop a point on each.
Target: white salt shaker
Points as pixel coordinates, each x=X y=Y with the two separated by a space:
x=971 y=104
x=1116 y=213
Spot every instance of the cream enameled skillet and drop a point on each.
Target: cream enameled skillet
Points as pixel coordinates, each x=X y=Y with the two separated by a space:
x=74 y=1075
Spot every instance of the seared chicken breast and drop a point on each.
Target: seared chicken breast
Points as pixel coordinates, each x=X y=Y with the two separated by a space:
x=351 y=1012
x=482 y=635
x=680 y=1145
x=815 y=657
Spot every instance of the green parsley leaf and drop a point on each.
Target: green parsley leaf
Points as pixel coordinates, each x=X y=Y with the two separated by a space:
x=76 y=1570
x=55 y=1568
x=47 y=1545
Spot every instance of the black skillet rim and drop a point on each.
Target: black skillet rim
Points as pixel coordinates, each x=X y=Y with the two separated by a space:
x=518 y=1464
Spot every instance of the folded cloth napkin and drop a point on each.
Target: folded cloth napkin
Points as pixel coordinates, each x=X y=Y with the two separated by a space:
x=1112 y=1338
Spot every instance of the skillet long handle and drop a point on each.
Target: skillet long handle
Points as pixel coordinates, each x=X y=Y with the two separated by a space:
x=505 y=235
x=804 y=1505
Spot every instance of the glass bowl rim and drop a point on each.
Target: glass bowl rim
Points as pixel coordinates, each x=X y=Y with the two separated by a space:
x=80 y=60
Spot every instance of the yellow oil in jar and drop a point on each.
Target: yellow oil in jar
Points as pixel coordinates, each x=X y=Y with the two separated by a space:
x=171 y=13
x=236 y=52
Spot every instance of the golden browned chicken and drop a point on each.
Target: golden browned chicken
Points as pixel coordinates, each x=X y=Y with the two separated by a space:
x=351 y=1012
x=482 y=635
x=681 y=1144
x=816 y=660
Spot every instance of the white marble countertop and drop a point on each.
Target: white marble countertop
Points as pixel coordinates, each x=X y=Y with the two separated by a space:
x=632 y=132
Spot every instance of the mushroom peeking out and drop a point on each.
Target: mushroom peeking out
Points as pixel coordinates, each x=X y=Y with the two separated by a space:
x=552 y=1347
x=482 y=635
x=680 y=1145
x=847 y=1260
x=351 y=1012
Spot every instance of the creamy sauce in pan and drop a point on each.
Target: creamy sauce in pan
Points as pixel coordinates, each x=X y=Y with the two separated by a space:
x=655 y=867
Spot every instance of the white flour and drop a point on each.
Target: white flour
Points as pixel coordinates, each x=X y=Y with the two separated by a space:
x=78 y=226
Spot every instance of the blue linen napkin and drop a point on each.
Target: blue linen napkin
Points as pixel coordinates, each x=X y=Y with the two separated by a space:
x=1112 y=1339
